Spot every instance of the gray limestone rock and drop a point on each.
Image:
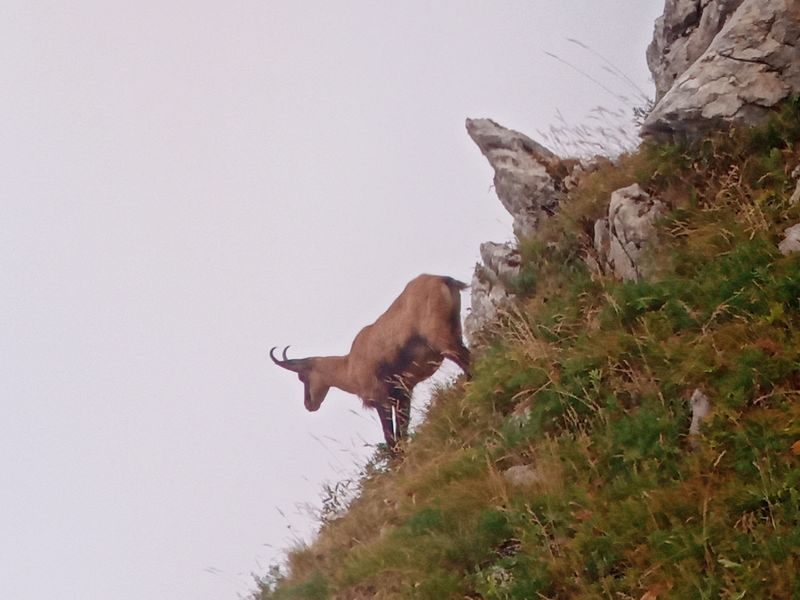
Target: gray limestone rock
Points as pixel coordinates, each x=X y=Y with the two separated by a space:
x=795 y=197
x=682 y=34
x=522 y=475
x=701 y=409
x=489 y=288
x=524 y=173
x=621 y=238
x=751 y=65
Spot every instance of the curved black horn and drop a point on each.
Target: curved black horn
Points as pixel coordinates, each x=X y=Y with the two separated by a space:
x=272 y=356
x=293 y=364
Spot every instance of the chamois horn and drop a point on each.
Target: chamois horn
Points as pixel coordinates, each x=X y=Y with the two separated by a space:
x=291 y=364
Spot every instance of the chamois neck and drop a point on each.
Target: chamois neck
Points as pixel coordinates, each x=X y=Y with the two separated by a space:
x=336 y=372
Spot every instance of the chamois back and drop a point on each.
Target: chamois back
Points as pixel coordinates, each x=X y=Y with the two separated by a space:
x=429 y=307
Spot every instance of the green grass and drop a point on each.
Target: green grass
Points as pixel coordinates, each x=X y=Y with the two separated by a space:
x=588 y=381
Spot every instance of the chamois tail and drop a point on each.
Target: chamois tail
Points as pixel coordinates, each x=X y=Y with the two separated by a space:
x=455 y=284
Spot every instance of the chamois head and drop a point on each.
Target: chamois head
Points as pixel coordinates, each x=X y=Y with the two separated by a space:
x=315 y=387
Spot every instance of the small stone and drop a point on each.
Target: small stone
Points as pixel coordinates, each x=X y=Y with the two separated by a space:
x=795 y=198
x=701 y=408
x=522 y=475
x=521 y=414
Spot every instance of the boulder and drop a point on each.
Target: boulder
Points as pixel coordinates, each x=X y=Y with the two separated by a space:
x=621 y=238
x=489 y=288
x=750 y=65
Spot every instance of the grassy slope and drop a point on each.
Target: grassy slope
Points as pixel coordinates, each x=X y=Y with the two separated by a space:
x=589 y=382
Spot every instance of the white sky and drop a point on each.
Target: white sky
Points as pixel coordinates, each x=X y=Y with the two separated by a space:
x=184 y=184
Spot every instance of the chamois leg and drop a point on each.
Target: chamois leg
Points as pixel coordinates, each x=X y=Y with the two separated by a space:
x=402 y=403
x=387 y=424
x=461 y=356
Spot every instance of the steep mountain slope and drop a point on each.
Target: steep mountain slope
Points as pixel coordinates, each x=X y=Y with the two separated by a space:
x=571 y=466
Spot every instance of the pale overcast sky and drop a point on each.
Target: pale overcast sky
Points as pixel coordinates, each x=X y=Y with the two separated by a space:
x=184 y=184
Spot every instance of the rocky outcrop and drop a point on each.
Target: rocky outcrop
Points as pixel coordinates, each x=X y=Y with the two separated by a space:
x=531 y=182
x=528 y=178
x=682 y=34
x=490 y=286
x=751 y=63
x=620 y=239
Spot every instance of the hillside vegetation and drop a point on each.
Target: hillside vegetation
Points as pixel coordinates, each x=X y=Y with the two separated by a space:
x=588 y=383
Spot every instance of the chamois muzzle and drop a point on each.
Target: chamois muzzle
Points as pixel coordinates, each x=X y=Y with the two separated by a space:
x=291 y=364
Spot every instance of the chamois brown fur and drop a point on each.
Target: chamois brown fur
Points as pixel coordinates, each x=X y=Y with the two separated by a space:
x=404 y=346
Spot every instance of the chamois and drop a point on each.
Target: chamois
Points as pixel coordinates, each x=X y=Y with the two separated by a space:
x=404 y=346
